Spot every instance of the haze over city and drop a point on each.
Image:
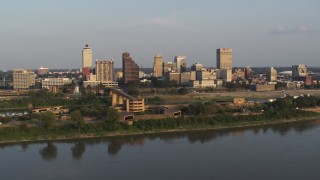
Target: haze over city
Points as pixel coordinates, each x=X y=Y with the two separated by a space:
x=38 y=33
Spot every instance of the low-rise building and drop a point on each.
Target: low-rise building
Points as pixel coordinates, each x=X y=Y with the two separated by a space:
x=49 y=82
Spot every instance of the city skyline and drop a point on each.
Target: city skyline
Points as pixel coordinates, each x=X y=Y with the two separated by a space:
x=53 y=33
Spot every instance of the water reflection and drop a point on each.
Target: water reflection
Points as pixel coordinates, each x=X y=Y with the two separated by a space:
x=49 y=152
x=78 y=149
x=115 y=144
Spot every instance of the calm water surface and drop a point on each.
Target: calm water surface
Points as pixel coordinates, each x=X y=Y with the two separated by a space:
x=290 y=151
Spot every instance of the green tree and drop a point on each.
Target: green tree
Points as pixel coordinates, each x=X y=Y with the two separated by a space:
x=111 y=121
x=77 y=118
x=48 y=119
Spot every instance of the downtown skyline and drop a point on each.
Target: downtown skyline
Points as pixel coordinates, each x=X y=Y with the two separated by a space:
x=53 y=33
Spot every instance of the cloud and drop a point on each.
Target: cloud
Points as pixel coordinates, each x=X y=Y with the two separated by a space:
x=283 y=30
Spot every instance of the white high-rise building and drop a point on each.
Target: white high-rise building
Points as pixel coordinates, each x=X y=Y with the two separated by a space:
x=86 y=57
x=181 y=62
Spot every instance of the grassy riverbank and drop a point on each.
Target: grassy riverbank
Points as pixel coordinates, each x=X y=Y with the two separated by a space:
x=24 y=133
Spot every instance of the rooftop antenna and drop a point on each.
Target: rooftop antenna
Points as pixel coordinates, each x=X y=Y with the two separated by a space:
x=125 y=48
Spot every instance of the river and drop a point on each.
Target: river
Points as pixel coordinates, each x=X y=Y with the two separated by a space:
x=286 y=151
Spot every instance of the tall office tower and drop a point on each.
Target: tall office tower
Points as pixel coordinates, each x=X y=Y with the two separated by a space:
x=23 y=79
x=224 y=58
x=181 y=62
x=299 y=70
x=104 y=70
x=130 y=68
x=196 y=67
x=86 y=60
x=157 y=66
x=272 y=74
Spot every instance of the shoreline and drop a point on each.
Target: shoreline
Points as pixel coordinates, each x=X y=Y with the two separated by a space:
x=122 y=134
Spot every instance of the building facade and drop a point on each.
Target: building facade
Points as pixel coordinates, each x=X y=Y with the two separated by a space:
x=105 y=70
x=299 y=70
x=224 y=58
x=196 y=67
x=23 y=79
x=174 y=76
x=48 y=82
x=169 y=67
x=130 y=68
x=43 y=71
x=86 y=60
x=272 y=74
x=181 y=62
x=157 y=66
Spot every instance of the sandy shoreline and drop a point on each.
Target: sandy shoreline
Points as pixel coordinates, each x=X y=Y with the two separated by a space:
x=119 y=134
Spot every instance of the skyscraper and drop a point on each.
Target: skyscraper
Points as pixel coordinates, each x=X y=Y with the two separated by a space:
x=86 y=60
x=272 y=74
x=299 y=70
x=224 y=58
x=181 y=62
x=157 y=66
x=130 y=68
x=196 y=67
x=104 y=70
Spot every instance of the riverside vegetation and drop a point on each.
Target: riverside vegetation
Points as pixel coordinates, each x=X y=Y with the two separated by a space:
x=199 y=115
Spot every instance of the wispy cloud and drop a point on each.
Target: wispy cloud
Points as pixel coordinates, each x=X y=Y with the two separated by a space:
x=284 y=30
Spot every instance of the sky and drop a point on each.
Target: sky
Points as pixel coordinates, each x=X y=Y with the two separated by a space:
x=52 y=33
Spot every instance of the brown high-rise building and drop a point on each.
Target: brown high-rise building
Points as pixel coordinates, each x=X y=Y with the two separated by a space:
x=104 y=70
x=224 y=58
x=130 y=68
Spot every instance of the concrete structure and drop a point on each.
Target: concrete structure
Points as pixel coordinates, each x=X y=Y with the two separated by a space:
x=218 y=82
x=226 y=75
x=239 y=74
x=224 y=58
x=172 y=113
x=207 y=83
x=86 y=57
x=181 y=62
x=174 y=76
x=185 y=77
x=104 y=70
x=263 y=87
x=299 y=70
x=272 y=74
x=86 y=60
x=119 y=75
x=49 y=82
x=122 y=101
x=23 y=79
x=130 y=68
x=196 y=67
x=97 y=83
x=126 y=116
x=157 y=66
x=194 y=83
x=43 y=71
x=193 y=75
x=206 y=74
x=169 y=67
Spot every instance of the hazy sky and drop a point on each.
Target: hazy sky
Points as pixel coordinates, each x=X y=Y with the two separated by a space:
x=52 y=33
